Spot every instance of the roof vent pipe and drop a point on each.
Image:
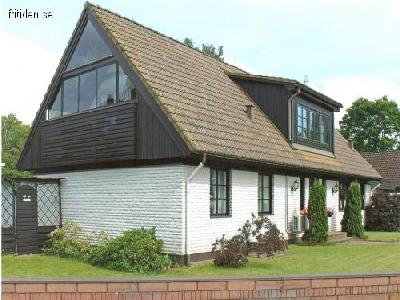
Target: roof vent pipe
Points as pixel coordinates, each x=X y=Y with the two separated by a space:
x=249 y=110
x=350 y=143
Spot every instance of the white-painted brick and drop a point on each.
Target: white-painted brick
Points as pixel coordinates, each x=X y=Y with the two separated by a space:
x=332 y=201
x=116 y=200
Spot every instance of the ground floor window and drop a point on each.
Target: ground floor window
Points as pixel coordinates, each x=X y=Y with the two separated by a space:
x=219 y=192
x=264 y=193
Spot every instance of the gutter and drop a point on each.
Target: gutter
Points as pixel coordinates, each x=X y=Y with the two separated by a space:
x=188 y=180
x=290 y=111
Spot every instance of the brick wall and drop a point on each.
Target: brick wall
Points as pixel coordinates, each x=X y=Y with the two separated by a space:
x=384 y=286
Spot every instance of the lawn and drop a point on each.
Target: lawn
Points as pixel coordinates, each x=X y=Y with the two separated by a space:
x=339 y=258
x=383 y=236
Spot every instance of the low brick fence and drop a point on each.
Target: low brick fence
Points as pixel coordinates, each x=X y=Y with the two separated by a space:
x=374 y=286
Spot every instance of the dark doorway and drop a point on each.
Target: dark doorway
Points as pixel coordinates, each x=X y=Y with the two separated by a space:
x=26 y=228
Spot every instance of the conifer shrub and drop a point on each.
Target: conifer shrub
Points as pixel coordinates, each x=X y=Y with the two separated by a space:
x=317 y=215
x=352 y=218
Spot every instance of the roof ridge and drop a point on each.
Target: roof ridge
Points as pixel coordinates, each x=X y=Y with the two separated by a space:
x=88 y=4
x=381 y=152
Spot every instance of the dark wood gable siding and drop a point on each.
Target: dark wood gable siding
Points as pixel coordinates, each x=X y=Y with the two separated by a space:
x=272 y=98
x=106 y=134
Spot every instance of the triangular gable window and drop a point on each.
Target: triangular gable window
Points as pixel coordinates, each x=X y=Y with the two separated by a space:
x=90 y=48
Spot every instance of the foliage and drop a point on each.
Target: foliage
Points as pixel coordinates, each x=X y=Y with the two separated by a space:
x=352 y=218
x=383 y=212
x=136 y=250
x=317 y=215
x=233 y=252
x=209 y=49
x=67 y=241
x=374 y=126
x=13 y=136
x=230 y=252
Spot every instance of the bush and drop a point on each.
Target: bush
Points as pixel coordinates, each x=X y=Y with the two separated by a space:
x=233 y=252
x=352 y=218
x=383 y=212
x=67 y=241
x=230 y=252
x=317 y=216
x=136 y=250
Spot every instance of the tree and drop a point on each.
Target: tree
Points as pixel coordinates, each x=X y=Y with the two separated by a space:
x=352 y=218
x=13 y=136
x=317 y=216
x=207 y=48
x=374 y=126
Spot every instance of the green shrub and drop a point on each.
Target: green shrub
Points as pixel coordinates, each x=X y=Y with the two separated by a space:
x=317 y=216
x=383 y=212
x=352 y=218
x=136 y=250
x=67 y=241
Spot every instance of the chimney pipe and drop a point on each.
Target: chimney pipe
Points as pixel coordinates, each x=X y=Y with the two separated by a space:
x=350 y=143
x=249 y=110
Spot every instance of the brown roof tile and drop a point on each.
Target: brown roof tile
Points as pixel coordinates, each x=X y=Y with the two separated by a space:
x=206 y=106
x=387 y=164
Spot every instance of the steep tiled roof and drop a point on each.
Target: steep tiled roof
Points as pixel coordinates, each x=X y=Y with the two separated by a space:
x=206 y=106
x=387 y=164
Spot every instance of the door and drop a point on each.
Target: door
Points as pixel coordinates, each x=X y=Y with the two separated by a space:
x=26 y=225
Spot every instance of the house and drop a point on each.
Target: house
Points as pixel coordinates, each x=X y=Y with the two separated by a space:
x=143 y=130
x=388 y=165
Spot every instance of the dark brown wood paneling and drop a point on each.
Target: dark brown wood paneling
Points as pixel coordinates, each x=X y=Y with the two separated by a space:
x=154 y=142
x=8 y=240
x=273 y=100
x=106 y=134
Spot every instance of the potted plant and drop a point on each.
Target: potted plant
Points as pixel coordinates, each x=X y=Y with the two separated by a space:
x=304 y=211
x=329 y=211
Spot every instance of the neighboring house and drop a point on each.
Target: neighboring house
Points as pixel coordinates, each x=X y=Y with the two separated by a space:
x=388 y=165
x=146 y=131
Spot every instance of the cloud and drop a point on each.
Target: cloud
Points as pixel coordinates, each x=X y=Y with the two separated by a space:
x=346 y=89
x=25 y=73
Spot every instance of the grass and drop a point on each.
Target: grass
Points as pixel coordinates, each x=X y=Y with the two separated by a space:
x=339 y=258
x=383 y=236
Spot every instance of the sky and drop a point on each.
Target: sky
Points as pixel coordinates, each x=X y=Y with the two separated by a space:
x=347 y=49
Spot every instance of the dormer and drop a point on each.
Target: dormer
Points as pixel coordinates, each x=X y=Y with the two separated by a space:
x=304 y=116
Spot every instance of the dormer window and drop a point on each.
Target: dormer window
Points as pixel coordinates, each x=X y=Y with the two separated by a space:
x=313 y=126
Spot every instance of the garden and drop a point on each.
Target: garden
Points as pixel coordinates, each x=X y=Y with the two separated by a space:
x=258 y=248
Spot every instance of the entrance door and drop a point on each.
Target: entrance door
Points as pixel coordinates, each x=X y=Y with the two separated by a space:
x=26 y=220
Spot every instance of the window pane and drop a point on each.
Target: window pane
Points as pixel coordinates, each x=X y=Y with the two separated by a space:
x=221 y=207
x=213 y=176
x=266 y=181
x=221 y=178
x=266 y=193
x=70 y=95
x=90 y=47
x=106 y=83
x=324 y=129
x=221 y=192
x=266 y=205
x=260 y=208
x=313 y=125
x=213 y=206
x=55 y=107
x=87 y=91
x=213 y=192
x=127 y=91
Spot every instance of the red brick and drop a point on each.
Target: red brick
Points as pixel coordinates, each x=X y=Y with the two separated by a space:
x=30 y=287
x=182 y=286
x=395 y=280
x=7 y=287
x=376 y=281
x=234 y=294
x=331 y=291
x=122 y=287
x=147 y=296
x=319 y=283
x=152 y=286
x=238 y=285
x=8 y=296
x=211 y=285
x=350 y=282
x=268 y=284
x=92 y=287
x=296 y=283
x=61 y=287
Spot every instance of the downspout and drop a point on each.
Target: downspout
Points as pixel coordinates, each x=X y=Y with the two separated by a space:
x=286 y=206
x=188 y=180
x=290 y=110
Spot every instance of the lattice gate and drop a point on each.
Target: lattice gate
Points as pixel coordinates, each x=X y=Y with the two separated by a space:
x=31 y=209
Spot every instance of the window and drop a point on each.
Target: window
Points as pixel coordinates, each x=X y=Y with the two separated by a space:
x=87 y=91
x=313 y=127
x=219 y=192
x=264 y=194
x=55 y=108
x=127 y=90
x=106 y=85
x=70 y=95
x=362 y=192
x=342 y=195
x=90 y=48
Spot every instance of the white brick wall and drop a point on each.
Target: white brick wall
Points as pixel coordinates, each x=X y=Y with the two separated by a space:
x=332 y=200
x=116 y=200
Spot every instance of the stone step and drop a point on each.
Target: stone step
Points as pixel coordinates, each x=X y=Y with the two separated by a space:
x=337 y=237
